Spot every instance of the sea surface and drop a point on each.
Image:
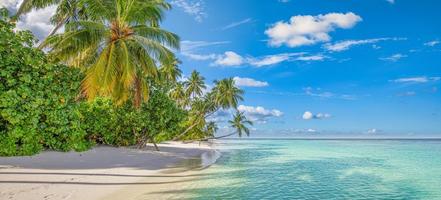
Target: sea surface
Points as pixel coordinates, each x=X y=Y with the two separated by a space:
x=322 y=169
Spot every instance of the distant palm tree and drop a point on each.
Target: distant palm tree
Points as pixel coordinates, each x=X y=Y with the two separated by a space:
x=171 y=72
x=239 y=123
x=178 y=94
x=119 y=45
x=195 y=84
x=211 y=128
x=227 y=94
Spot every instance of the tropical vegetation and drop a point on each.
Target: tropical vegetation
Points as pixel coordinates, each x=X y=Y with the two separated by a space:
x=110 y=77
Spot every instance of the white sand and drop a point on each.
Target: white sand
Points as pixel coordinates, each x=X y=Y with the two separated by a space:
x=100 y=173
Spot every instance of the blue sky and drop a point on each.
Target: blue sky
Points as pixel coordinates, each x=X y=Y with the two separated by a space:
x=331 y=67
x=313 y=67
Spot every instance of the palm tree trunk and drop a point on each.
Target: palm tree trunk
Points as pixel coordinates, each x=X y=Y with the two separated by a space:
x=189 y=128
x=54 y=30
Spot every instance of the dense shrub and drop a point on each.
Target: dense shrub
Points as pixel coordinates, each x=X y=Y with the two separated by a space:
x=157 y=120
x=39 y=110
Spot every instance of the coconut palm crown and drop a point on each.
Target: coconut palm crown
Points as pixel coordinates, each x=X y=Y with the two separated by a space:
x=120 y=46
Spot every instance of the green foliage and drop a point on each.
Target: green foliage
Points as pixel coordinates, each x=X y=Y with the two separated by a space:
x=158 y=120
x=37 y=108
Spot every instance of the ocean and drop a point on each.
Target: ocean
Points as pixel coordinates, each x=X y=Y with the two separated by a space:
x=321 y=169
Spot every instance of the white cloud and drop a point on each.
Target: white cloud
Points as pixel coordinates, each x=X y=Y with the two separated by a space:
x=372 y=131
x=11 y=5
x=229 y=58
x=194 y=8
x=236 y=24
x=432 y=43
x=188 y=46
x=347 y=44
x=259 y=114
x=249 y=82
x=391 y=1
x=311 y=58
x=38 y=21
x=394 y=58
x=307 y=115
x=419 y=79
x=307 y=29
x=199 y=56
x=269 y=60
x=317 y=92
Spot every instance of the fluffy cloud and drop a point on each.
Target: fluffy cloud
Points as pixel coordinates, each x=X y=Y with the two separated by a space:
x=259 y=114
x=36 y=21
x=307 y=30
x=11 y=5
x=394 y=58
x=229 y=58
x=249 y=82
x=309 y=115
x=418 y=79
x=236 y=24
x=347 y=44
x=194 y=8
x=432 y=43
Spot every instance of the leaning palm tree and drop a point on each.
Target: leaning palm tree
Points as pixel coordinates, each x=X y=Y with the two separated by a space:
x=225 y=94
x=211 y=128
x=239 y=123
x=119 y=44
x=195 y=84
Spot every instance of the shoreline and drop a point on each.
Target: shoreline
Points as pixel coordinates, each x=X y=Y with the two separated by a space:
x=102 y=172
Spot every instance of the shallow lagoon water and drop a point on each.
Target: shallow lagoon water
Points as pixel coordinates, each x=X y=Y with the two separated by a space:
x=321 y=169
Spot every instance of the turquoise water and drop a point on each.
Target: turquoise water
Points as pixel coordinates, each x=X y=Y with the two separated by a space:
x=322 y=169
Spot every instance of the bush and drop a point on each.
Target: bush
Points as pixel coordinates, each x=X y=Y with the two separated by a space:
x=38 y=107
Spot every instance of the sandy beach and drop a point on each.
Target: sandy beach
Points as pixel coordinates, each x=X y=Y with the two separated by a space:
x=103 y=172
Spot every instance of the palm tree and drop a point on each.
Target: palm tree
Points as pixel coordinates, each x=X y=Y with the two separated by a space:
x=211 y=128
x=227 y=94
x=239 y=123
x=171 y=73
x=178 y=94
x=195 y=84
x=119 y=45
